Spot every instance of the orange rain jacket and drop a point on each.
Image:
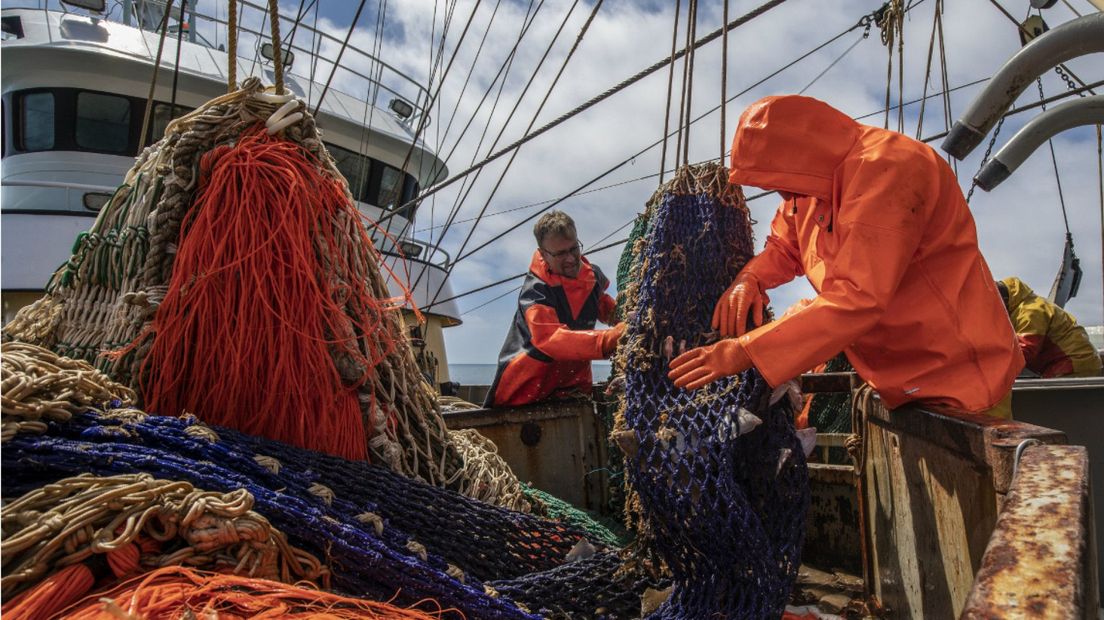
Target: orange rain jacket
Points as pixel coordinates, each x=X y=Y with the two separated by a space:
x=1052 y=342
x=552 y=340
x=882 y=232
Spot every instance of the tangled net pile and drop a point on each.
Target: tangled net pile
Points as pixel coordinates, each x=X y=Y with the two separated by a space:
x=376 y=531
x=218 y=221
x=720 y=503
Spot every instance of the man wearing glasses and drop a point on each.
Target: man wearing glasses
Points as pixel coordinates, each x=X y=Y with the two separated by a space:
x=552 y=340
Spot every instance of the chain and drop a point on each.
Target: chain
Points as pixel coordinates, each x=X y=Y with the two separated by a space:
x=985 y=159
x=1070 y=84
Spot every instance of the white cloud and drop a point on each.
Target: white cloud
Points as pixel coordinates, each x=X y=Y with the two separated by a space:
x=1019 y=224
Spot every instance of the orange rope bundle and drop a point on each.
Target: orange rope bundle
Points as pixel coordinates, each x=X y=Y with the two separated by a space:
x=177 y=592
x=52 y=594
x=262 y=326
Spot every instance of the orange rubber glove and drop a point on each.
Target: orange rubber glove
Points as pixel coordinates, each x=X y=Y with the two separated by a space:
x=608 y=338
x=703 y=365
x=744 y=297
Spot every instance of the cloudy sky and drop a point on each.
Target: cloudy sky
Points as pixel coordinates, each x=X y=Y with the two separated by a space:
x=1020 y=224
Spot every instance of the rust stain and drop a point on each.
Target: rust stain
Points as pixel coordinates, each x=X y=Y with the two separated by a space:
x=1036 y=564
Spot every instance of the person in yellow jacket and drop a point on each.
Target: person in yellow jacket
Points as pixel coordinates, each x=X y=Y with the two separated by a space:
x=1052 y=342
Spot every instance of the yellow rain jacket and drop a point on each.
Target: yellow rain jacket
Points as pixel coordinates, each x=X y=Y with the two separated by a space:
x=882 y=232
x=1052 y=342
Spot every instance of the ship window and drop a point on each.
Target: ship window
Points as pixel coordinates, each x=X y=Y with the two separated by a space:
x=159 y=120
x=391 y=181
x=355 y=168
x=38 y=121
x=103 y=122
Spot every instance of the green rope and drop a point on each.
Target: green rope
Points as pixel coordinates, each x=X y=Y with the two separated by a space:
x=605 y=529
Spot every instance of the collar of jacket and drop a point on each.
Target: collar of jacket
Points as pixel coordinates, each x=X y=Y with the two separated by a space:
x=585 y=279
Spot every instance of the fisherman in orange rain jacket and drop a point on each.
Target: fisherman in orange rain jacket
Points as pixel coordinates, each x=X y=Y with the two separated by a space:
x=1052 y=342
x=877 y=223
x=548 y=350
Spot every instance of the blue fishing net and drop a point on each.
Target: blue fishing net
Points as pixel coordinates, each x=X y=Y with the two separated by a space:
x=723 y=506
x=595 y=587
x=484 y=541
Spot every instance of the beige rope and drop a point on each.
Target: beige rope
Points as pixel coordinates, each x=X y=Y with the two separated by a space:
x=232 y=46
x=487 y=476
x=277 y=54
x=71 y=520
x=40 y=386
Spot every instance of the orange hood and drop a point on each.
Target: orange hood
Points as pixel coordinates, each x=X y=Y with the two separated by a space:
x=806 y=143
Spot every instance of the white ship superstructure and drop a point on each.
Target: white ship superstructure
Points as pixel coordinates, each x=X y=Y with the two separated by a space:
x=75 y=90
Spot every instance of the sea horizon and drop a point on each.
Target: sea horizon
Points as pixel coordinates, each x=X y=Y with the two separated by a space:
x=483 y=374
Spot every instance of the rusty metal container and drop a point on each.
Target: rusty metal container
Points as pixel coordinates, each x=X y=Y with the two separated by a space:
x=558 y=447
x=937 y=513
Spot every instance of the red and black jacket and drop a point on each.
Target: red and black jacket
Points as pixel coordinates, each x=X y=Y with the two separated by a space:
x=552 y=340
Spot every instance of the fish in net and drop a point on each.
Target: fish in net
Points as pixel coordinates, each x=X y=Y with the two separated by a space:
x=718 y=480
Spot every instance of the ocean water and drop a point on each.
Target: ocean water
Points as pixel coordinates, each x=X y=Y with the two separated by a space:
x=483 y=374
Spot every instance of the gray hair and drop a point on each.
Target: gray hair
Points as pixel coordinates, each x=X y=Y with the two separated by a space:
x=554 y=223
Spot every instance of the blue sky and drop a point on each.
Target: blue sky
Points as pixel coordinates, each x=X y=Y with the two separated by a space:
x=1020 y=224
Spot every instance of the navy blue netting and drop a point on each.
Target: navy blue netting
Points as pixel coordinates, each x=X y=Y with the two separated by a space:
x=595 y=587
x=485 y=541
x=724 y=510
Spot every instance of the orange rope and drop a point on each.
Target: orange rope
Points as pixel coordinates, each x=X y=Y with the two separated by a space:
x=265 y=302
x=173 y=591
x=51 y=595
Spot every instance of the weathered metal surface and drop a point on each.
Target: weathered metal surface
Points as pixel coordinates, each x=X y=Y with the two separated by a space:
x=558 y=447
x=815 y=382
x=933 y=483
x=1072 y=405
x=1041 y=559
x=831 y=527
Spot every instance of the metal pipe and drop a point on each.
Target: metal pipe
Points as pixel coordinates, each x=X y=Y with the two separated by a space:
x=1084 y=35
x=1087 y=111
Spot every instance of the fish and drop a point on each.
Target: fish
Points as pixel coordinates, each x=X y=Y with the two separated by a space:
x=581 y=551
x=807 y=437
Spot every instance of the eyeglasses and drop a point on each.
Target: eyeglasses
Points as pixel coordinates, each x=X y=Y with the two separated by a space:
x=577 y=250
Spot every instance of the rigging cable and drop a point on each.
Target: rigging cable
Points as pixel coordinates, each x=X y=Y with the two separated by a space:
x=469 y=184
x=533 y=121
x=471 y=69
x=1061 y=67
x=835 y=62
x=1054 y=161
x=683 y=142
x=743 y=19
x=502 y=74
x=927 y=73
x=440 y=84
x=724 y=82
x=670 y=89
x=768 y=193
x=770 y=4
x=153 y=78
x=337 y=61
x=599 y=249
x=232 y=46
x=179 y=44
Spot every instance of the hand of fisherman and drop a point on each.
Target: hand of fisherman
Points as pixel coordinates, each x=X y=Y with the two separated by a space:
x=730 y=315
x=703 y=365
x=608 y=339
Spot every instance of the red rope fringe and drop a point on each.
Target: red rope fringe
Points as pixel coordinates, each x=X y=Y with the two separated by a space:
x=263 y=298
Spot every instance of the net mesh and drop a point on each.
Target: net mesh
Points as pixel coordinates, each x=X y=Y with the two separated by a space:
x=720 y=506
